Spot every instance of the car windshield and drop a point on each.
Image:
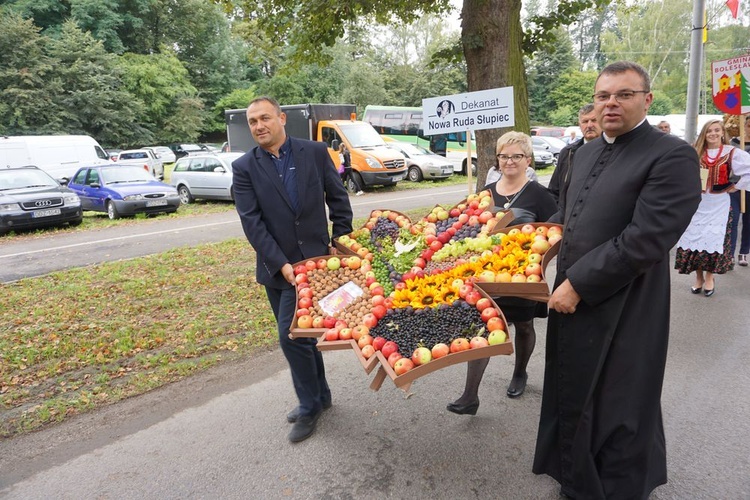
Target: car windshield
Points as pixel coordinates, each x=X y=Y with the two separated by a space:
x=121 y=174
x=25 y=178
x=362 y=135
x=555 y=142
x=412 y=149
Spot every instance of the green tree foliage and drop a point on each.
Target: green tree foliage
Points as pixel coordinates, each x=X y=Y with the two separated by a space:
x=573 y=90
x=26 y=89
x=544 y=72
x=661 y=105
x=91 y=101
x=169 y=104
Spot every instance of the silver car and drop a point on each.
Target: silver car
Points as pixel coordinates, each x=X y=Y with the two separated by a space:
x=207 y=176
x=422 y=163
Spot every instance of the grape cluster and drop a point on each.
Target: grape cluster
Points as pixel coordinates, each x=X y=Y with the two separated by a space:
x=384 y=227
x=442 y=225
x=410 y=327
x=467 y=231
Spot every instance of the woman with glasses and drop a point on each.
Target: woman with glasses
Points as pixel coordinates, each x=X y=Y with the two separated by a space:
x=705 y=245
x=529 y=202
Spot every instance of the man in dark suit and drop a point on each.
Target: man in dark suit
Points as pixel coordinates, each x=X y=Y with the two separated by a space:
x=590 y=129
x=281 y=189
x=631 y=194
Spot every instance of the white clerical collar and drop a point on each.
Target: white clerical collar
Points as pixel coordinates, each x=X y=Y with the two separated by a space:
x=611 y=140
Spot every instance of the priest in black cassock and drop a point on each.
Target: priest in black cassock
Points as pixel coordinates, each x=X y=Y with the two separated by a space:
x=631 y=195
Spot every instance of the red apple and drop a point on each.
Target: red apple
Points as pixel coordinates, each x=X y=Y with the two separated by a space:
x=403 y=365
x=305 y=321
x=377 y=300
x=542 y=230
x=318 y=322
x=345 y=334
x=331 y=334
x=310 y=265
x=533 y=268
x=518 y=278
x=439 y=350
x=395 y=356
x=483 y=304
x=305 y=292
x=300 y=278
x=340 y=323
x=477 y=342
x=378 y=343
x=540 y=246
x=303 y=312
x=459 y=344
x=495 y=323
x=464 y=290
x=488 y=313
x=473 y=296
x=369 y=320
x=359 y=330
x=377 y=290
x=454 y=212
x=379 y=311
x=528 y=229
x=533 y=278
x=329 y=322
x=305 y=303
x=436 y=245
x=368 y=351
x=388 y=348
x=322 y=263
x=364 y=340
x=485 y=216
x=300 y=269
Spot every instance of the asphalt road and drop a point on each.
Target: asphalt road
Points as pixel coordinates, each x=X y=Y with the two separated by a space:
x=222 y=433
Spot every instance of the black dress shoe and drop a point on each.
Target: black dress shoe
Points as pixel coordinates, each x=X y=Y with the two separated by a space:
x=517 y=386
x=467 y=409
x=696 y=290
x=304 y=427
x=710 y=292
x=293 y=415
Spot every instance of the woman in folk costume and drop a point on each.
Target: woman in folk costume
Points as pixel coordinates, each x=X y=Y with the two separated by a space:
x=704 y=247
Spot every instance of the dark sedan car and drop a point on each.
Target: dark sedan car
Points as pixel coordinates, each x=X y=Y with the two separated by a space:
x=30 y=198
x=123 y=190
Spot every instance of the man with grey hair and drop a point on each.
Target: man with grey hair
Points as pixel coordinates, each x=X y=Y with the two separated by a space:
x=591 y=130
x=664 y=126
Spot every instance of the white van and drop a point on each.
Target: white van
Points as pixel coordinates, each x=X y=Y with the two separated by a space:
x=59 y=155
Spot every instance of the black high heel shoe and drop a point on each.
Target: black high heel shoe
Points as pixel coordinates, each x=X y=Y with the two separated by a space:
x=467 y=409
x=517 y=386
x=710 y=292
x=696 y=290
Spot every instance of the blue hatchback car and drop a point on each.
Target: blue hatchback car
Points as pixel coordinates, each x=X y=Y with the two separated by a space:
x=123 y=190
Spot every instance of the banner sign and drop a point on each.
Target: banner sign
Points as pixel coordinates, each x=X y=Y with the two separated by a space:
x=731 y=85
x=492 y=108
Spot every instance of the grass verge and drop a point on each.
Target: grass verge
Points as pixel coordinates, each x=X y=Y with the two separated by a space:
x=73 y=341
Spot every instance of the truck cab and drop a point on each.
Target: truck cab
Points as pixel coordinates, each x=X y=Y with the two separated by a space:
x=374 y=162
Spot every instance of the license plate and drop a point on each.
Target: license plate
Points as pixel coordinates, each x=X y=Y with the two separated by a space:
x=45 y=213
x=397 y=178
x=156 y=203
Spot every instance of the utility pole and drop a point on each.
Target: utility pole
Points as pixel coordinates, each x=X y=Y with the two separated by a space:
x=694 y=71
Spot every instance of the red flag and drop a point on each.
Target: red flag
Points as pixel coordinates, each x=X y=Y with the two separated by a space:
x=733 y=5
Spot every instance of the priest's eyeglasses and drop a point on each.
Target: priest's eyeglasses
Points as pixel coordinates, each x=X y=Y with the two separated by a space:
x=514 y=158
x=625 y=95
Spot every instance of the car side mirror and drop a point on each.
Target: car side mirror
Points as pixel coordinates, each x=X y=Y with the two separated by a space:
x=219 y=170
x=95 y=185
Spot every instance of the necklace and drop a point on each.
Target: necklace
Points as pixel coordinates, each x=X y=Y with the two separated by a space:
x=508 y=199
x=710 y=162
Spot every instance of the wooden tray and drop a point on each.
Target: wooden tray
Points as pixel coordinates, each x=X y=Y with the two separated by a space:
x=294 y=331
x=404 y=381
x=533 y=291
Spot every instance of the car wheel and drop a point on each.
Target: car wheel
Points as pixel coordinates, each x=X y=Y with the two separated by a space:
x=473 y=167
x=112 y=212
x=185 y=196
x=354 y=181
x=415 y=174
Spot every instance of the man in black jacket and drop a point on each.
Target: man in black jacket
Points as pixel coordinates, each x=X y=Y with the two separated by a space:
x=281 y=189
x=590 y=128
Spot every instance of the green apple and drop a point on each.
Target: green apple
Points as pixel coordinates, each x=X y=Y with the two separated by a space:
x=497 y=337
x=334 y=263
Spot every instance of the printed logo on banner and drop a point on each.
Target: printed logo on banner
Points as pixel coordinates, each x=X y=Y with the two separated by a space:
x=731 y=85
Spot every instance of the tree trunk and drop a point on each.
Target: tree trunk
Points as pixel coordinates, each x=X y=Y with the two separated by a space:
x=491 y=35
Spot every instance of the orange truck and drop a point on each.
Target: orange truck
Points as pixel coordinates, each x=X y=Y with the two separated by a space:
x=373 y=163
